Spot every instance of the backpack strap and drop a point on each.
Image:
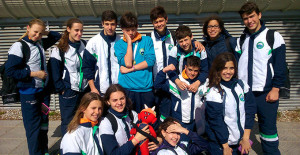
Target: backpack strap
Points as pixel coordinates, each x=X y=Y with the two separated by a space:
x=241 y=83
x=25 y=50
x=223 y=103
x=227 y=42
x=62 y=56
x=173 y=36
x=242 y=40
x=270 y=38
x=113 y=122
x=151 y=138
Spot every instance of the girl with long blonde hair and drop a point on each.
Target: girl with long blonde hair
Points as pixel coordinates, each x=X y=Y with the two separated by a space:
x=83 y=136
x=29 y=69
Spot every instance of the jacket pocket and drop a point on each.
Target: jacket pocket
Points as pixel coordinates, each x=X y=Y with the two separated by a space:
x=272 y=70
x=64 y=74
x=176 y=106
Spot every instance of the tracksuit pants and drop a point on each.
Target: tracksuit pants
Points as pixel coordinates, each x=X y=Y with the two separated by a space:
x=267 y=115
x=138 y=99
x=163 y=104
x=68 y=104
x=35 y=122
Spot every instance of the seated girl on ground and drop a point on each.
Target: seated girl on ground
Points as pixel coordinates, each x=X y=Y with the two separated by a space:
x=116 y=126
x=82 y=136
x=170 y=131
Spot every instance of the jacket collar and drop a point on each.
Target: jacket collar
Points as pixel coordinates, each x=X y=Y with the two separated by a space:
x=229 y=84
x=26 y=38
x=162 y=37
x=120 y=115
x=88 y=123
x=76 y=44
x=108 y=38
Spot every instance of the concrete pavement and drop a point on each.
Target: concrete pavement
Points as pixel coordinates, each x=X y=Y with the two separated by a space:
x=13 y=139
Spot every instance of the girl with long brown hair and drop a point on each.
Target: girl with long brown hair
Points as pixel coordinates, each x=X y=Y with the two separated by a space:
x=230 y=108
x=118 y=142
x=66 y=67
x=29 y=69
x=83 y=133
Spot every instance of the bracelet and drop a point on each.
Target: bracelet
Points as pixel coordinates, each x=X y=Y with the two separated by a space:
x=135 y=139
x=133 y=67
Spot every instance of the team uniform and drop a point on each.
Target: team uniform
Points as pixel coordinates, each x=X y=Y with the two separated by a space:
x=229 y=113
x=177 y=58
x=184 y=102
x=196 y=146
x=162 y=47
x=99 y=61
x=84 y=140
x=32 y=93
x=139 y=83
x=68 y=79
x=265 y=68
x=218 y=46
x=117 y=143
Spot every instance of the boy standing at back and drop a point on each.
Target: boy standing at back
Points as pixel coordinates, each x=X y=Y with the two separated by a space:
x=100 y=65
x=184 y=49
x=163 y=41
x=136 y=58
x=263 y=67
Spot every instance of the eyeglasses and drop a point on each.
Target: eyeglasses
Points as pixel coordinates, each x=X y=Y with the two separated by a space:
x=213 y=26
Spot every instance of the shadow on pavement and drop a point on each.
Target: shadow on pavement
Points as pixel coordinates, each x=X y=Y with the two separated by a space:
x=54 y=150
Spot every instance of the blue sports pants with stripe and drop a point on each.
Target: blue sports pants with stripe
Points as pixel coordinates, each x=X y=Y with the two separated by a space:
x=267 y=115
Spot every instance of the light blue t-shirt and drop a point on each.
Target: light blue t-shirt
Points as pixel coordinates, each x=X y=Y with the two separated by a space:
x=141 y=80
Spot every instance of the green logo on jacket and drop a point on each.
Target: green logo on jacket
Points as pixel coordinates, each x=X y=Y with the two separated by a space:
x=201 y=92
x=260 y=45
x=142 y=51
x=170 y=46
x=241 y=96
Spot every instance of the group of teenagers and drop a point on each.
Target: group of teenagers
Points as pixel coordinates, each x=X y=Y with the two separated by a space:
x=206 y=94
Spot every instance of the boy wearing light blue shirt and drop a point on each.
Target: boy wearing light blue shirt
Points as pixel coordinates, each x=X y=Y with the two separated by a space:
x=136 y=58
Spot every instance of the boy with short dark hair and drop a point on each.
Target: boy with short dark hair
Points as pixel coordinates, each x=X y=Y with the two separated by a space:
x=184 y=102
x=262 y=65
x=100 y=65
x=184 y=49
x=136 y=58
x=163 y=41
